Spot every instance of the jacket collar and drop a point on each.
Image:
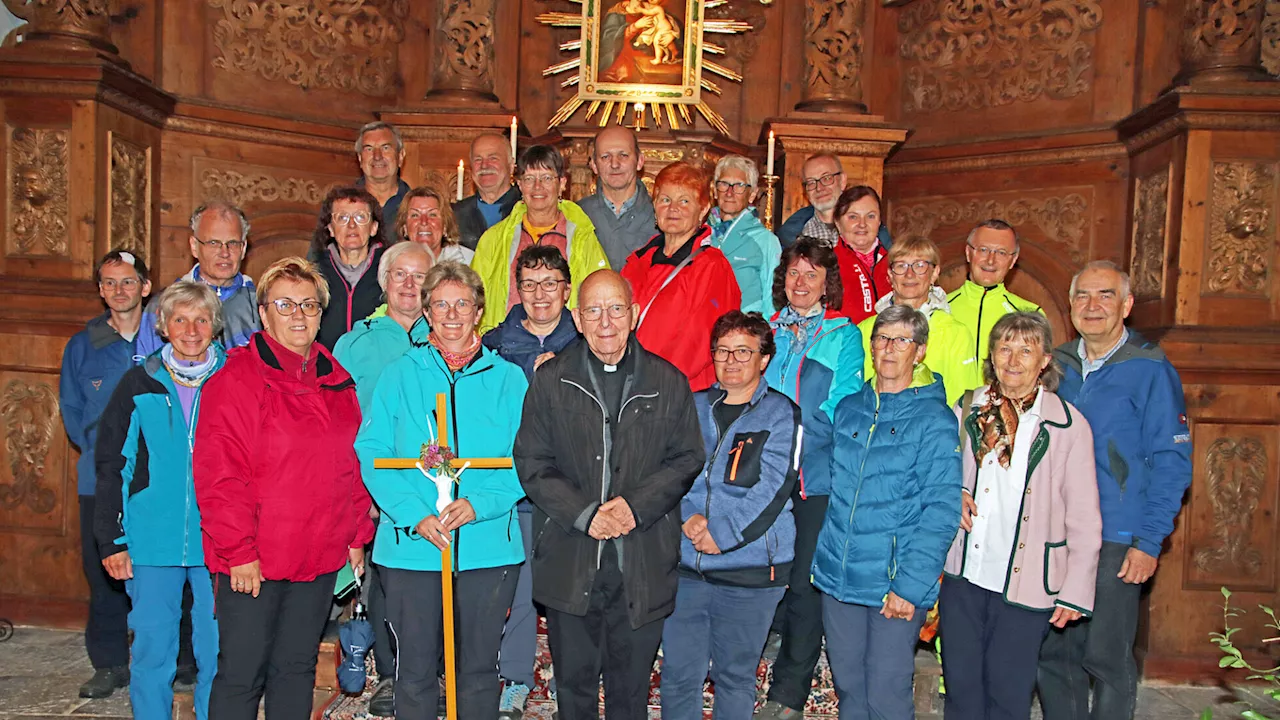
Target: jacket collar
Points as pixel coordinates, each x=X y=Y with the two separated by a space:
x=329 y=373
x=936 y=300
x=427 y=356
x=577 y=372
x=154 y=364
x=512 y=328
x=100 y=332
x=717 y=394
x=223 y=291
x=1137 y=346
x=642 y=195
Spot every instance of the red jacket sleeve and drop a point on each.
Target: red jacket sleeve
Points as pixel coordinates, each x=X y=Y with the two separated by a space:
x=361 y=501
x=226 y=489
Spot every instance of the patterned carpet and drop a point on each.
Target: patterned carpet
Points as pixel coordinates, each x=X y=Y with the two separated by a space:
x=821 y=706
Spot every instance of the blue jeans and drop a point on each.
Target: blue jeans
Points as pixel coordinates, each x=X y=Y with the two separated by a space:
x=873 y=660
x=157 y=611
x=1100 y=648
x=520 y=636
x=720 y=626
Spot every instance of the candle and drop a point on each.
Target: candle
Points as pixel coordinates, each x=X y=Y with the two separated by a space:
x=769 y=170
x=460 y=169
x=515 y=128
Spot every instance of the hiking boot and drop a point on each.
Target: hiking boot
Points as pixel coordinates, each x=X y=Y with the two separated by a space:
x=104 y=682
x=511 y=706
x=383 y=701
x=774 y=710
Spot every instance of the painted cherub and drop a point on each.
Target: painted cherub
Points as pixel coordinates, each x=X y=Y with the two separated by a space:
x=655 y=29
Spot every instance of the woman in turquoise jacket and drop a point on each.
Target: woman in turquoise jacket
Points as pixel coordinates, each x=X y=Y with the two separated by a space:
x=751 y=249
x=893 y=512
x=146 y=520
x=485 y=397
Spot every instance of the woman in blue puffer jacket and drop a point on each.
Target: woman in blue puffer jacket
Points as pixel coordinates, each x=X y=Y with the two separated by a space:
x=894 y=509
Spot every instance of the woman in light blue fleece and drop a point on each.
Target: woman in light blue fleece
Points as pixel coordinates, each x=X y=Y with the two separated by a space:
x=752 y=250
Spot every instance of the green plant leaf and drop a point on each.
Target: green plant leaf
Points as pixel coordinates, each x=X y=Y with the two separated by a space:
x=1207 y=714
x=1226 y=594
x=1225 y=661
x=1253 y=715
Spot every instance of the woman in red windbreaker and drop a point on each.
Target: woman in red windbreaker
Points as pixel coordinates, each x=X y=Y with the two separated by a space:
x=862 y=259
x=681 y=283
x=281 y=500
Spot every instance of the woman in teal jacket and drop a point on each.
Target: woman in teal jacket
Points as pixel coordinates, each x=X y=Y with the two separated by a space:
x=146 y=520
x=751 y=249
x=485 y=398
x=894 y=510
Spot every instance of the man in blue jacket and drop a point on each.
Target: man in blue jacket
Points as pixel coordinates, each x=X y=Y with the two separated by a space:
x=92 y=364
x=1132 y=397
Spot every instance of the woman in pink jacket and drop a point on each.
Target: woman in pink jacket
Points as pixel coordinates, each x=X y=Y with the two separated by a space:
x=1026 y=554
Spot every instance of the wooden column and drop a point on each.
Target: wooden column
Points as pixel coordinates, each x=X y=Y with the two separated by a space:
x=463 y=61
x=1221 y=41
x=833 y=56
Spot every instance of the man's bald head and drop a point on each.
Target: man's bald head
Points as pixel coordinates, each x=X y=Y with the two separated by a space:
x=605 y=282
x=616 y=159
x=606 y=314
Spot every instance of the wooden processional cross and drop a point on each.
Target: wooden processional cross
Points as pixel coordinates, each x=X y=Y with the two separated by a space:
x=446 y=556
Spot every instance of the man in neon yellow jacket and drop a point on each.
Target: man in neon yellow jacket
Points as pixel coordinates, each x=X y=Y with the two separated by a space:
x=542 y=218
x=992 y=250
x=913 y=270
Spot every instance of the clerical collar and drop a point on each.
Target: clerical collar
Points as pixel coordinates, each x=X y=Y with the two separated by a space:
x=624 y=364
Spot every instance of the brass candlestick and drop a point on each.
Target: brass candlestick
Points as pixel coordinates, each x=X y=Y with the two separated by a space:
x=769 y=182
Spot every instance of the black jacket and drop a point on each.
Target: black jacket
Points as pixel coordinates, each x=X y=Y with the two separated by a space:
x=347 y=305
x=655 y=453
x=471 y=225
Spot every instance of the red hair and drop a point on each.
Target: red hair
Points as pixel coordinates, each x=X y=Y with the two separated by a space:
x=688 y=176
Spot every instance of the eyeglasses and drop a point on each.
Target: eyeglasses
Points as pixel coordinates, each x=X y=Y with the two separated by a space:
x=286 y=307
x=234 y=246
x=536 y=180
x=985 y=252
x=592 y=314
x=125 y=284
x=919 y=267
x=528 y=286
x=811 y=184
x=400 y=276
x=737 y=188
x=360 y=218
x=463 y=307
x=742 y=354
x=898 y=344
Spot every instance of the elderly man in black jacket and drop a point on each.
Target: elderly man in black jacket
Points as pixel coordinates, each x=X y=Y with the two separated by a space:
x=608 y=445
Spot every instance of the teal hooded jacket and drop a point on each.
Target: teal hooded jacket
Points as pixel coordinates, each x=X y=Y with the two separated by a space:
x=371 y=345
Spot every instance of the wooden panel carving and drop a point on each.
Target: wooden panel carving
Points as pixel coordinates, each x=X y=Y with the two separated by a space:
x=246 y=185
x=972 y=54
x=344 y=45
x=1221 y=32
x=30 y=412
x=1271 y=38
x=833 y=49
x=38 y=208
x=1236 y=476
x=1242 y=201
x=129 y=189
x=1150 y=213
x=464 y=45
x=1064 y=219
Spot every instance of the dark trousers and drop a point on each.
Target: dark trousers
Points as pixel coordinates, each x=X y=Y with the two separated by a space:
x=481 y=601
x=520 y=637
x=989 y=652
x=801 y=610
x=873 y=660
x=718 y=628
x=1100 y=648
x=602 y=641
x=384 y=658
x=106 y=635
x=268 y=645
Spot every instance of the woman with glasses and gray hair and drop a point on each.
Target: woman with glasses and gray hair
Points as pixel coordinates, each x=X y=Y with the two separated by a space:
x=281 y=502
x=145 y=521
x=1026 y=555
x=893 y=511
x=751 y=249
x=485 y=397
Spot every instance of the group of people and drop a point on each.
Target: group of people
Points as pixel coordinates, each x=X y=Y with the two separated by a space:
x=717 y=434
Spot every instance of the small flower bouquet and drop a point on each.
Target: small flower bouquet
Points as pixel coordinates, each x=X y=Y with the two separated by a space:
x=437 y=457
x=435 y=462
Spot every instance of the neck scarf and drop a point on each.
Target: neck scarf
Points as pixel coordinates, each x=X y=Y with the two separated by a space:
x=998 y=424
x=456 y=360
x=789 y=318
x=187 y=373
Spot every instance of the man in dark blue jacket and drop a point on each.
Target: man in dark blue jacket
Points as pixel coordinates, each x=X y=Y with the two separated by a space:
x=533 y=333
x=92 y=364
x=1132 y=397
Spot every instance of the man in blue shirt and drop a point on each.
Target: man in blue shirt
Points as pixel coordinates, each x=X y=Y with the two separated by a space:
x=92 y=364
x=491 y=165
x=380 y=150
x=1132 y=398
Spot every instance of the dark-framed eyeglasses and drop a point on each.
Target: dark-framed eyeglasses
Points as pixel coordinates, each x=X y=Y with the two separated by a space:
x=919 y=267
x=528 y=286
x=287 y=306
x=233 y=246
x=359 y=218
x=811 y=184
x=741 y=354
x=897 y=344
x=736 y=188
x=594 y=313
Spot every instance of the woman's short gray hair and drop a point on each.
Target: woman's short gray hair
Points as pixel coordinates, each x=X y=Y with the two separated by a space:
x=904 y=315
x=449 y=271
x=740 y=163
x=1034 y=329
x=186 y=293
x=394 y=253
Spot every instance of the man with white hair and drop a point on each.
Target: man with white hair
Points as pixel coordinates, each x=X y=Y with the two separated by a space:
x=380 y=150
x=823 y=178
x=495 y=195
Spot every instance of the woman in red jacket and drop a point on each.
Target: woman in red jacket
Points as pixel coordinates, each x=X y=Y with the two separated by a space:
x=281 y=500
x=681 y=283
x=863 y=261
